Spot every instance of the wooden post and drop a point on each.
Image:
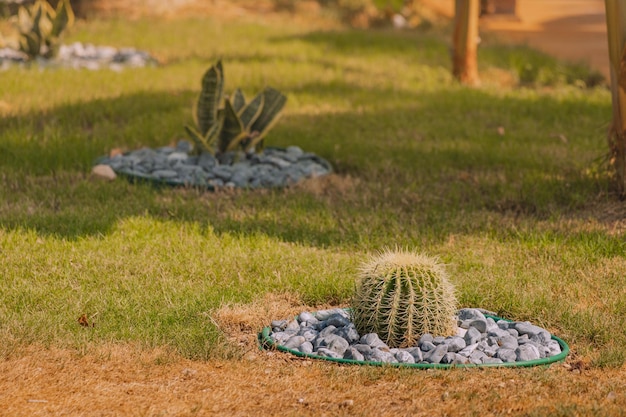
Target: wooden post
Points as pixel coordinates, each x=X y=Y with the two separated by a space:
x=616 y=32
x=465 y=41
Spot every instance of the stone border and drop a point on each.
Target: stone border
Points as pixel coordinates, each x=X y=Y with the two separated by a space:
x=175 y=166
x=78 y=55
x=355 y=348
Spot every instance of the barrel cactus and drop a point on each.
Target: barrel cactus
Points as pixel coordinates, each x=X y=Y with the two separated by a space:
x=402 y=295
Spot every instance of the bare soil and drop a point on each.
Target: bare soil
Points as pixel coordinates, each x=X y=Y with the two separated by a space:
x=572 y=30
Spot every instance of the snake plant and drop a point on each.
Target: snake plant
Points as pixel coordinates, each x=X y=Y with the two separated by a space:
x=231 y=123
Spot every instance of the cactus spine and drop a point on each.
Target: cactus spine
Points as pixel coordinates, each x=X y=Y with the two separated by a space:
x=402 y=295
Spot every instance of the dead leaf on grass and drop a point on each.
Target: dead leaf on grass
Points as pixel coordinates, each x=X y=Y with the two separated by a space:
x=84 y=321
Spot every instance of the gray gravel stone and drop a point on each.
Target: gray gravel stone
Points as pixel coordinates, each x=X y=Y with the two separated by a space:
x=498 y=333
x=353 y=354
x=325 y=314
x=491 y=323
x=438 y=340
x=363 y=348
x=435 y=355
x=426 y=337
x=328 y=353
x=308 y=334
x=377 y=355
x=337 y=320
x=165 y=174
x=448 y=358
x=487 y=349
x=306 y=347
x=177 y=156
x=506 y=355
x=373 y=340
x=504 y=324
x=468 y=350
x=279 y=324
x=468 y=315
x=294 y=342
x=333 y=342
x=472 y=336
x=455 y=344
x=293 y=326
x=281 y=337
x=427 y=347
x=223 y=172
x=508 y=342
x=417 y=354
x=349 y=333
x=477 y=357
x=307 y=318
x=553 y=348
x=207 y=161
x=479 y=324
x=328 y=330
x=527 y=352
x=513 y=332
x=531 y=330
x=542 y=338
x=404 y=357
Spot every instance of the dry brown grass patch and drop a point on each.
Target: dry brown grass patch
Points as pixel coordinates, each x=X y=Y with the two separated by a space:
x=242 y=322
x=333 y=186
x=124 y=380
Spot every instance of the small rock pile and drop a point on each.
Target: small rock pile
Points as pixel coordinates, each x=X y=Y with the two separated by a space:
x=79 y=55
x=270 y=168
x=480 y=340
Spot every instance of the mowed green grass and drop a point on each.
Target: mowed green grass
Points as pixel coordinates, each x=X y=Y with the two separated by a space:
x=498 y=181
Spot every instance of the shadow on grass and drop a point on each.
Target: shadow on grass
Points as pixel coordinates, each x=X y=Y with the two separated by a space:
x=530 y=66
x=429 y=164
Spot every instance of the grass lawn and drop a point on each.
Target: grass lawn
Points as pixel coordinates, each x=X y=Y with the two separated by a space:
x=506 y=183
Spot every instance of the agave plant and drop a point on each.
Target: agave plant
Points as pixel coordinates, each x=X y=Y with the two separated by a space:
x=39 y=27
x=235 y=124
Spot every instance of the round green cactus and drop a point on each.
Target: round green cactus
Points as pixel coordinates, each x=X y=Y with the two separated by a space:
x=402 y=295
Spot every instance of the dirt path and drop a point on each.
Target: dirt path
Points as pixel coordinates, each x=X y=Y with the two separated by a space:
x=573 y=30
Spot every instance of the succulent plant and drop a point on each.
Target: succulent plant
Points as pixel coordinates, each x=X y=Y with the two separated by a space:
x=402 y=295
x=39 y=27
x=235 y=124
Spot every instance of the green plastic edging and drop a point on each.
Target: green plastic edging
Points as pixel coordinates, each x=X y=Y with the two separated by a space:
x=265 y=342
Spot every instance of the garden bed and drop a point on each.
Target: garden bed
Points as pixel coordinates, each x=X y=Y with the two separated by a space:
x=175 y=166
x=484 y=340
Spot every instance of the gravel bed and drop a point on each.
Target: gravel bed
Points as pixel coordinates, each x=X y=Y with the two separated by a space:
x=480 y=340
x=273 y=167
x=79 y=55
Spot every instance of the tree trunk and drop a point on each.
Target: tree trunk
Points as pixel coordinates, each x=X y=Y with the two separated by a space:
x=465 y=41
x=616 y=31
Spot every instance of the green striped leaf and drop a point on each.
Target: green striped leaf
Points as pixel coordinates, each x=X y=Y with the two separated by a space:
x=64 y=17
x=232 y=129
x=252 y=111
x=274 y=102
x=210 y=98
x=238 y=101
